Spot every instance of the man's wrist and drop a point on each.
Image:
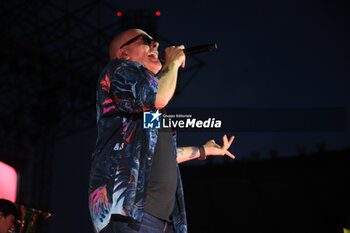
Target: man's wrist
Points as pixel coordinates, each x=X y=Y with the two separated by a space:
x=172 y=65
x=202 y=155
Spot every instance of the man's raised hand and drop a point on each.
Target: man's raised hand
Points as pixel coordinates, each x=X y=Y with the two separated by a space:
x=211 y=148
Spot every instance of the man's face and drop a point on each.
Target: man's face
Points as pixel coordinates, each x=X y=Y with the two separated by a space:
x=147 y=55
x=6 y=223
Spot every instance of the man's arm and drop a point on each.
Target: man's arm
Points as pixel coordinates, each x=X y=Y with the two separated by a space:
x=174 y=57
x=211 y=148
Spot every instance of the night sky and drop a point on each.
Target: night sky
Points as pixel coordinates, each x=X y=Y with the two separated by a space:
x=270 y=54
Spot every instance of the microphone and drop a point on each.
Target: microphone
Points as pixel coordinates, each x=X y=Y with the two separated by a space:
x=194 y=50
x=200 y=49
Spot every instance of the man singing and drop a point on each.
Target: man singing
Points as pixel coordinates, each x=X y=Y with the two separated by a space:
x=135 y=183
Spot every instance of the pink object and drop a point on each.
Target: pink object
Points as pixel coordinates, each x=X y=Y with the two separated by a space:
x=105 y=110
x=8 y=182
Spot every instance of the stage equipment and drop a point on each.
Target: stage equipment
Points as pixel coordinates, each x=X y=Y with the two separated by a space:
x=8 y=182
x=31 y=218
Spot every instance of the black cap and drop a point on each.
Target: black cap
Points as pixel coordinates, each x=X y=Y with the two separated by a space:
x=7 y=207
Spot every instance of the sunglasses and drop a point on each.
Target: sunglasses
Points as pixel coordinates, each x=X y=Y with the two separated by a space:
x=146 y=40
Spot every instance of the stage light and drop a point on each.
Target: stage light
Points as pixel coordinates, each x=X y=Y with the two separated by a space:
x=158 y=13
x=119 y=13
x=8 y=182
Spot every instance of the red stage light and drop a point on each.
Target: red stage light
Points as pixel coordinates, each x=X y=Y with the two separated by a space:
x=8 y=182
x=157 y=13
x=119 y=13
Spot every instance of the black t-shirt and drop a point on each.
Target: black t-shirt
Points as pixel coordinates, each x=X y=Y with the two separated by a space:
x=163 y=179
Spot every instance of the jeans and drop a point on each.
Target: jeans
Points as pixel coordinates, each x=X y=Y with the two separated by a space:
x=149 y=224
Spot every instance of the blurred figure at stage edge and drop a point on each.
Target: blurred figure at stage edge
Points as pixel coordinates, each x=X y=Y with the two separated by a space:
x=8 y=216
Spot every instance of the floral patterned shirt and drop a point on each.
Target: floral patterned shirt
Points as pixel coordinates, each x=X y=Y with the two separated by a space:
x=122 y=159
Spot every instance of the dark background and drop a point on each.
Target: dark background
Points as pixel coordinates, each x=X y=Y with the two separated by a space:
x=271 y=55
